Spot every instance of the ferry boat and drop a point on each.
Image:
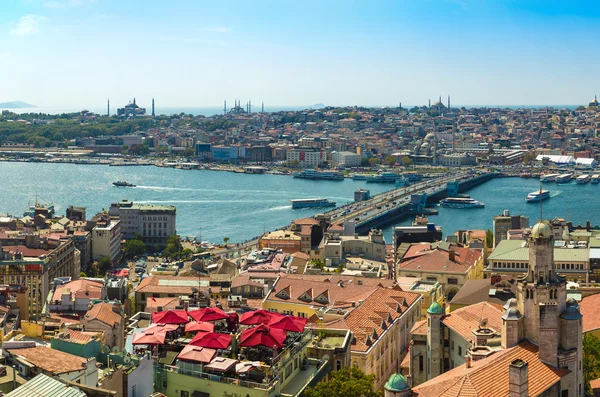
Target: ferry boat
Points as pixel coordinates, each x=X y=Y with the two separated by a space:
x=564 y=178
x=313 y=174
x=548 y=177
x=538 y=195
x=595 y=179
x=312 y=203
x=360 y=177
x=461 y=202
x=123 y=184
x=384 y=177
x=583 y=179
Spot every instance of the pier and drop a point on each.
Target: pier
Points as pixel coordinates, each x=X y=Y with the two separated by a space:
x=391 y=206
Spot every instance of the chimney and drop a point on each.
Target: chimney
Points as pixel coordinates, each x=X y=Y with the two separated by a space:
x=468 y=361
x=518 y=379
x=451 y=255
x=159 y=309
x=186 y=305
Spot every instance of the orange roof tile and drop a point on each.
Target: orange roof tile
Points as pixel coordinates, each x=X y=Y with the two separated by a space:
x=464 y=320
x=589 y=307
x=103 y=312
x=81 y=289
x=489 y=377
x=438 y=260
x=50 y=360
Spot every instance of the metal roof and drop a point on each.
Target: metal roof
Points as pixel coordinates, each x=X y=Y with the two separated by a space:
x=43 y=386
x=516 y=250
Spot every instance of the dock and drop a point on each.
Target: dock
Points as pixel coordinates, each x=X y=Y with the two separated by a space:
x=391 y=206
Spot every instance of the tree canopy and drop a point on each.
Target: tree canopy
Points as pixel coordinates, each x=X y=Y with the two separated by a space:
x=347 y=382
x=134 y=247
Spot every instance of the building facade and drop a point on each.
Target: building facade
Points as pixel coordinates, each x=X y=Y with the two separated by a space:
x=154 y=223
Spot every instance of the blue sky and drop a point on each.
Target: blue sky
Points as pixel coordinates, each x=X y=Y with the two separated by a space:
x=197 y=53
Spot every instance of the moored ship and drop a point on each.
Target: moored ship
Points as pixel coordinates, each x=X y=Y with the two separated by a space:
x=312 y=203
x=583 y=179
x=564 y=178
x=548 y=177
x=326 y=175
x=595 y=179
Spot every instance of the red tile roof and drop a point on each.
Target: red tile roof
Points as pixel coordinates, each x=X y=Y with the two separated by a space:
x=466 y=319
x=50 y=360
x=489 y=377
x=80 y=289
x=589 y=307
x=152 y=304
x=438 y=260
x=419 y=328
x=151 y=285
x=103 y=312
x=373 y=316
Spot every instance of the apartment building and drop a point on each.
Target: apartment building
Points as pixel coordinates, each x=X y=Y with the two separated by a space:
x=154 y=223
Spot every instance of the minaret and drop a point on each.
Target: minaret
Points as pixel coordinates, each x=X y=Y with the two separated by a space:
x=108 y=107
x=448 y=101
x=262 y=108
x=224 y=106
x=430 y=104
x=250 y=106
x=152 y=107
x=134 y=100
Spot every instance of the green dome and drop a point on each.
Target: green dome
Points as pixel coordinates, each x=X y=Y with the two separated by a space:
x=541 y=230
x=396 y=382
x=435 y=308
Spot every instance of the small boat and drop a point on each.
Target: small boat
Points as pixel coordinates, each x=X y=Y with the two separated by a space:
x=595 y=179
x=384 y=177
x=564 y=178
x=312 y=203
x=548 y=177
x=538 y=195
x=461 y=202
x=526 y=175
x=123 y=184
x=583 y=179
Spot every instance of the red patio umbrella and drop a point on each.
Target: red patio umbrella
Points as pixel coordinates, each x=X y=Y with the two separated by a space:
x=257 y=317
x=263 y=335
x=208 y=314
x=162 y=327
x=289 y=323
x=148 y=338
x=197 y=354
x=213 y=340
x=199 y=326
x=170 y=317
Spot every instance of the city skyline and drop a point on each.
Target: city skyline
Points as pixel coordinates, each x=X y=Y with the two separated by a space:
x=83 y=52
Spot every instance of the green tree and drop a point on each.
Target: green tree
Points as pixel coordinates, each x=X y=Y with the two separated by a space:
x=390 y=160
x=104 y=263
x=489 y=238
x=529 y=157
x=373 y=161
x=134 y=247
x=82 y=274
x=591 y=359
x=225 y=240
x=406 y=161
x=347 y=382
x=173 y=248
x=95 y=269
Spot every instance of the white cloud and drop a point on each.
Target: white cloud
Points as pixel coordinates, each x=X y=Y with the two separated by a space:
x=217 y=29
x=28 y=25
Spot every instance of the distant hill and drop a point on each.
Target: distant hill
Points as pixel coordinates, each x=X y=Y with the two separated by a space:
x=15 y=105
x=317 y=106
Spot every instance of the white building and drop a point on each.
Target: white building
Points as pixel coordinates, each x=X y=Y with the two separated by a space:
x=155 y=223
x=306 y=157
x=106 y=241
x=457 y=159
x=345 y=159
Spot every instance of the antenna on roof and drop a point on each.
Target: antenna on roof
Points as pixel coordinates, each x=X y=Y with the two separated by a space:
x=541 y=218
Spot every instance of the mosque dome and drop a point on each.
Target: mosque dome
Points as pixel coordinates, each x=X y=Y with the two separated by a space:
x=435 y=308
x=397 y=382
x=512 y=314
x=541 y=230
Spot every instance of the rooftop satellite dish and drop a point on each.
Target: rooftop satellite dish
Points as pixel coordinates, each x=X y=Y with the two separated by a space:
x=106 y=349
x=483 y=323
x=127 y=359
x=115 y=349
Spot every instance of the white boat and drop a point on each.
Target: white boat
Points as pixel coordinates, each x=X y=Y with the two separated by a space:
x=312 y=203
x=583 y=179
x=548 y=177
x=595 y=178
x=538 y=195
x=564 y=178
x=461 y=202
